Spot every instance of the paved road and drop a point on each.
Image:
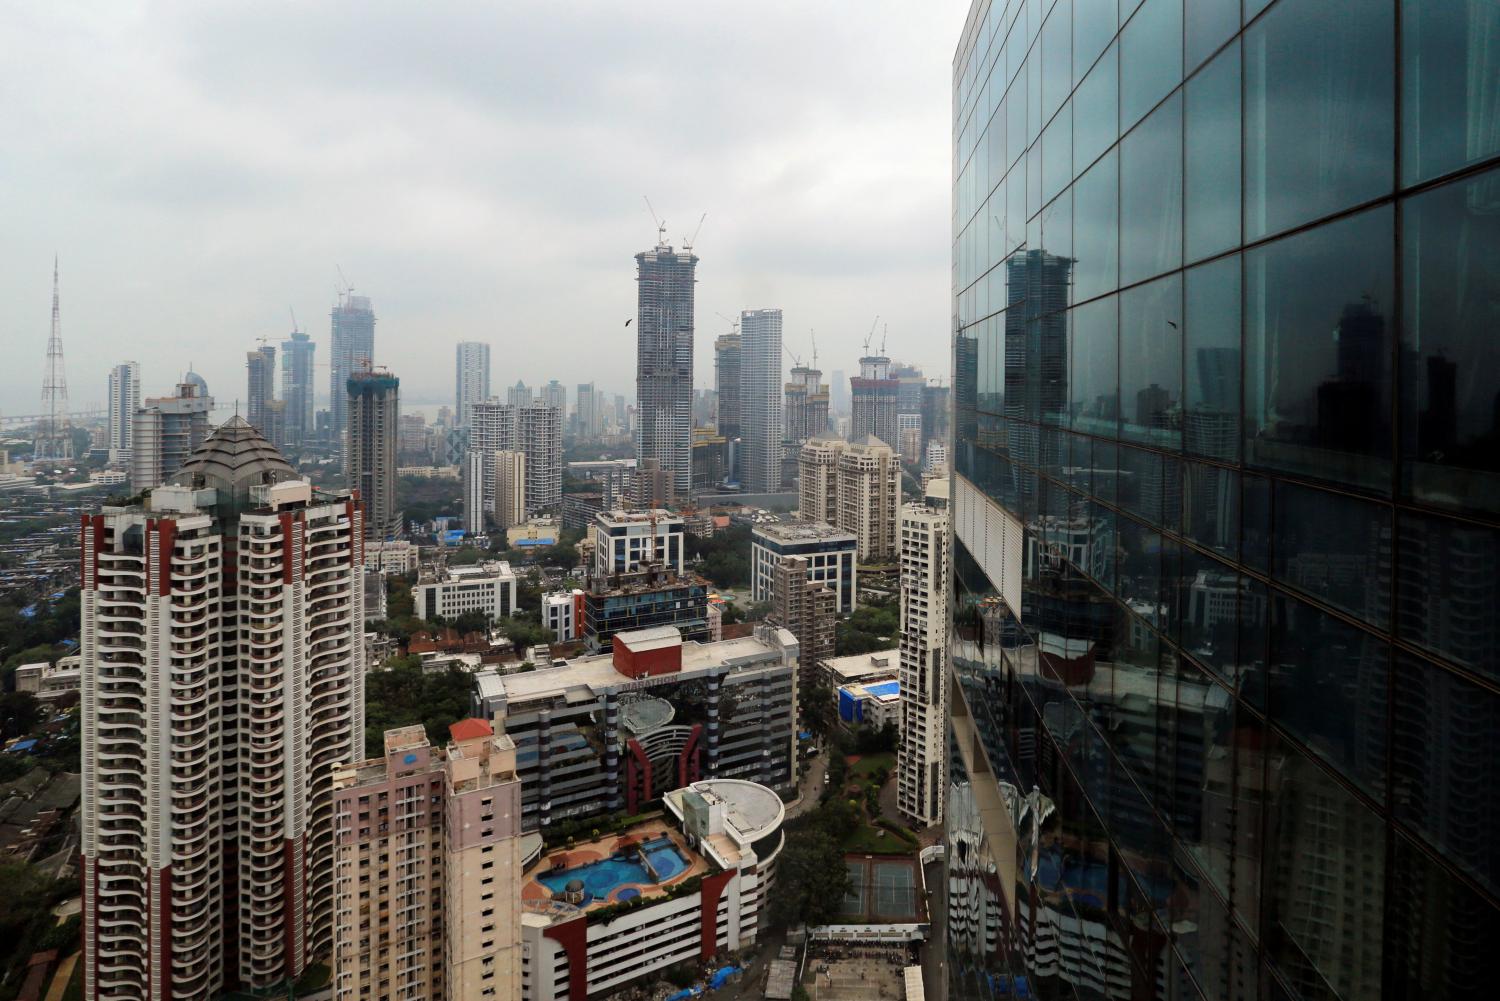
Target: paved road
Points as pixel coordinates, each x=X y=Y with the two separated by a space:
x=809 y=787
x=933 y=986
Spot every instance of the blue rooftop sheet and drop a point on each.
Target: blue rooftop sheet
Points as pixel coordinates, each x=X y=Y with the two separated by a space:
x=884 y=688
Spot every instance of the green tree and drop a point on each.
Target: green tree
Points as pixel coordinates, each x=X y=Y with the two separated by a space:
x=811 y=879
x=817 y=705
x=20 y=713
x=405 y=695
x=525 y=631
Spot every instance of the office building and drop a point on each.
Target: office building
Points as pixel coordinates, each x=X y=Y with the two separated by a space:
x=921 y=757
x=935 y=405
x=352 y=350
x=471 y=378
x=165 y=432
x=830 y=556
x=615 y=731
x=374 y=415
x=260 y=386
x=873 y=398
x=534 y=429
x=221 y=643
x=626 y=541
x=761 y=400
x=724 y=834
x=298 y=389
x=1277 y=398
x=664 y=361
x=806 y=405
x=448 y=592
x=429 y=869
x=124 y=401
x=643 y=599
x=855 y=486
x=588 y=411
x=807 y=609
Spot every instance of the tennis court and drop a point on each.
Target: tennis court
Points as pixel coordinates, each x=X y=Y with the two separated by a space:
x=882 y=890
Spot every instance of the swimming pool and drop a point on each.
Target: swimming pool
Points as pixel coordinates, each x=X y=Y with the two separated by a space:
x=602 y=878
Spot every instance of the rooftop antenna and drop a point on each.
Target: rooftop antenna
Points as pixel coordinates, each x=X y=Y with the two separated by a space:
x=56 y=439
x=687 y=243
x=661 y=224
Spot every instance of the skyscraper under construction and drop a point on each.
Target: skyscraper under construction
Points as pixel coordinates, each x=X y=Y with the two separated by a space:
x=664 y=359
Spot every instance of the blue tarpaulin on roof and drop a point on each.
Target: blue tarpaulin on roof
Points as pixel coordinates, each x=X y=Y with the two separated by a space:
x=523 y=543
x=804 y=735
x=22 y=746
x=721 y=976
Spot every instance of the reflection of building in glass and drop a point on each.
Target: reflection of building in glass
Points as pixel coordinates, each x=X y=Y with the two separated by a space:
x=1224 y=656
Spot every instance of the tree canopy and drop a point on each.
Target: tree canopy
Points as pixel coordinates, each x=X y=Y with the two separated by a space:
x=725 y=555
x=873 y=626
x=404 y=695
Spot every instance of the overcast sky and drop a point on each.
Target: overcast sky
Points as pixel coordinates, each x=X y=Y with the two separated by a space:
x=476 y=169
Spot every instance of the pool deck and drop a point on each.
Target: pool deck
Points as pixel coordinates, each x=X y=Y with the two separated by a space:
x=606 y=846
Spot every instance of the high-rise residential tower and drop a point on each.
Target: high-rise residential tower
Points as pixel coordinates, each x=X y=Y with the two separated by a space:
x=873 y=397
x=806 y=404
x=352 y=350
x=921 y=758
x=260 y=386
x=165 y=432
x=221 y=624
x=297 y=386
x=1225 y=455
x=554 y=394
x=533 y=429
x=761 y=400
x=472 y=378
x=124 y=401
x=728 y=351
x=808 y=609
x=374 y=400
x=664 y=360
x=856 y=486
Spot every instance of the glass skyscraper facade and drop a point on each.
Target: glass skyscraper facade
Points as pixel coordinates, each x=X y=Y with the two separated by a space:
x=1226 y=592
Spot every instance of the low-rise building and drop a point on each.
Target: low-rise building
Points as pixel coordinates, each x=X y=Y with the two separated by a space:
x=625 y=541
x=427 y=869
x=830 y=554
x=46 y=680
x=873 y=703
x=561 y=613
x=450 y=592
x=614 y=732
x=394 y=556
x=643 y=600
x=679 y=889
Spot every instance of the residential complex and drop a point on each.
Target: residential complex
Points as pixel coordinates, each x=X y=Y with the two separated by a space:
x=124 y=401
x=1223 y=479
x=471 y=378
x=873 y=396
x=696 y=882
x=830 y=554
x=494 y=488
x=806 y=608
x=374 y=416
x=921 y=757
x=664 y=360
x=728 y=361
x=165 y=432
x=448 y=592
x=352 y=349
x=626 y=541
x=761 y=418
x=222 y=673
x=393 y=556
x=855 y=485
x=428 y=869
x=533 y=429
x=260 y=388
x=615 y=731
x=806 y=404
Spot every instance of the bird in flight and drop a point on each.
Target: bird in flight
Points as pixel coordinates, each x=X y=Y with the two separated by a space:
x=627 y=322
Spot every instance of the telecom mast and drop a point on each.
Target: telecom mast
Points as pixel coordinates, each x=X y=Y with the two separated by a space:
x=55 y=441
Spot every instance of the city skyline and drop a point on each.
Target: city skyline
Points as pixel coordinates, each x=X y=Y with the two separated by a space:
x=422 y=237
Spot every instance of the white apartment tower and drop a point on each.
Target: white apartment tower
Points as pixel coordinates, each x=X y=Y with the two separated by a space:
x=222 y=678
x=925 y=557
x=664 y=360
x=165 y=432
x=472 y=378
x=124 y=401
x=761 y=399
x=856 y=486
x=533 y=429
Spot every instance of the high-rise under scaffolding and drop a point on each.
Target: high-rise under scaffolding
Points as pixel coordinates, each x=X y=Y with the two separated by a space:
x=54 y=440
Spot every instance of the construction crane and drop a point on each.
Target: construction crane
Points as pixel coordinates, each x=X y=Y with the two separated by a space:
x=871 y=335
x=796 y=361
x=813 y=334
x=733 y=323
x=661 y=224
x=883 y=332
x=295 y=329
x=687 y=242
x=345 y=288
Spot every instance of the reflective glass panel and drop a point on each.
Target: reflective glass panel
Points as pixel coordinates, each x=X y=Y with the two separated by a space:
x=1447 y=590
x=1095 y=229
x=1447 y=931
x=1211 y=156
x=1095 y=112
x=1151 y=195
x=1334 y=547
x=1093 y=348
x=1057 y=64
x=1318 y=337
x=1150 y=58
x=1318 y=110
x=1450 y=340
x=1211 y=339
x=1206 y=24
x=1450 y=86
x=1093 y=27
x=1151 y=363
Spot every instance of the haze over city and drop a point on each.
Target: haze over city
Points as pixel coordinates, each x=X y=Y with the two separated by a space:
x=477 y=173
